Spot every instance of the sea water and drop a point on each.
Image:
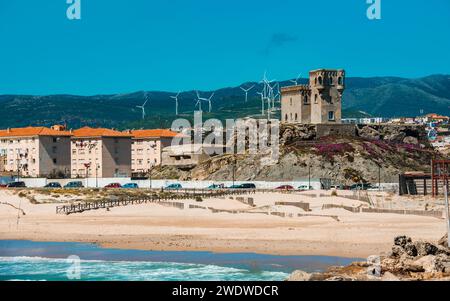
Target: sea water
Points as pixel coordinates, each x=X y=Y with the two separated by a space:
x=27 y=260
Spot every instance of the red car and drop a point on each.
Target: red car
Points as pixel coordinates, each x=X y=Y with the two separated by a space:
x=113 y=185
x=285 y=187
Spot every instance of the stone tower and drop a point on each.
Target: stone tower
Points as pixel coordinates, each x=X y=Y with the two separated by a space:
x=326 y=87
x=316 y=103
x=296 y=104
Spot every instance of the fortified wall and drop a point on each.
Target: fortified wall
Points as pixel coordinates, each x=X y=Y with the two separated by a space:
x=409 y=134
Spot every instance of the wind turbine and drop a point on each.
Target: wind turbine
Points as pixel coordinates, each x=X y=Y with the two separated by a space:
x=176 y=102
x=295 y=81
x=262 y=101
x=209 y=101
x=143 y=106
x=246 y=91
x=199 y=102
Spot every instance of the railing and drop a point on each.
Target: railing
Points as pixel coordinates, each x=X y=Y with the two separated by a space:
x=160 y=199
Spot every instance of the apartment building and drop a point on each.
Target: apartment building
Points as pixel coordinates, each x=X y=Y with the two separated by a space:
x=100 y=152
x=147 y=147
x=35 y=151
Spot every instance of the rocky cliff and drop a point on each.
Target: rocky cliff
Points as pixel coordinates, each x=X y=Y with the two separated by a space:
x=373 y=150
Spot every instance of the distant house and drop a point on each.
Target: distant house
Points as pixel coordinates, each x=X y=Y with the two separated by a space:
x=147 y=146
x=189 y=155
x=35 y=151
x=100 y=152
x=435 y=118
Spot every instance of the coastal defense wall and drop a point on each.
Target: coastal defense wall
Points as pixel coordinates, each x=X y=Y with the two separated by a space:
x=347 y=130
x=409 y=134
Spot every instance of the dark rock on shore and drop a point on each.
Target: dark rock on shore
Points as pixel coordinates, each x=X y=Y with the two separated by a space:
x=408 y=260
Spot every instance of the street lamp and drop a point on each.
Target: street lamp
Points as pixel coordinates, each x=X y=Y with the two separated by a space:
x=87 y=165
x=309 y=176
x=234 y=170
x=150 y=175
x=97 y=167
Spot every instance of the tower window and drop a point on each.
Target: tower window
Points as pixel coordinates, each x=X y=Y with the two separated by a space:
x=286 y=117
x=305 y=100
x=340 y=80
x=296 y=117
x=315 y=98
x=320 y=80
x=331 y=115
x=330 y=80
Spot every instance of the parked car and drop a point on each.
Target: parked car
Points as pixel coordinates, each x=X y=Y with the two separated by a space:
x=285 y=187
x=243 y=186
x=3 y=185
x=16 y=185
x=248 y=186
x=363 y=186
x=216 y=186
x=130 y=186
x=53 y=185
x=113 y=185
x=174 y=186
x=235 y=186
x=74 y=184
x=304 y=187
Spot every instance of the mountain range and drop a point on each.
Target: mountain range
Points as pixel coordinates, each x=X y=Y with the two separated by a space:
x=374 y=96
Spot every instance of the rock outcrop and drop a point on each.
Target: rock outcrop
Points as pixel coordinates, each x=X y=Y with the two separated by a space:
x=408 y=260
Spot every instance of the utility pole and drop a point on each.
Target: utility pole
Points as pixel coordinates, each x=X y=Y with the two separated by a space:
x=447 y=214
x=96 y=175
x=309 y=177
x=234 y=169
x=150 y=176
x=379 y=177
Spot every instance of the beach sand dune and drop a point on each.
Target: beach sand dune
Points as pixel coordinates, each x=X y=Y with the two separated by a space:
x=156 y=227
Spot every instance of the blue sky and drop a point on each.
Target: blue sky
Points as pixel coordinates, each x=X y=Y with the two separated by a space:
x=125 y=46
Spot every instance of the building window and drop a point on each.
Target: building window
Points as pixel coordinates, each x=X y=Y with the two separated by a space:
x=331 y=115
x=330 y=80
x=54 y=149
x=305 y=100
x=296 y=117
x=54 y=160
x=291 y=116
x=315 y=98
x=286 y=117
x=291 y=101
x=320 y=80
x=340 y=80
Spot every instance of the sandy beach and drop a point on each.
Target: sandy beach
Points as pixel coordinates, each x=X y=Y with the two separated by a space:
x=156 y=227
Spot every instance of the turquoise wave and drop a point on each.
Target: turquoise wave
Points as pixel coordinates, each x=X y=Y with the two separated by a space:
x=51 y=269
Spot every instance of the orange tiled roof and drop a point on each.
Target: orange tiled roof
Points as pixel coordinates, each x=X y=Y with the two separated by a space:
x=32 y=131
x=98 y=132
x=153 y=133
x=434 y=115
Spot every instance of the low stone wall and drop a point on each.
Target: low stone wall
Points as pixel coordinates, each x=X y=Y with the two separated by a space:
x=348 y=208
x=437 y=214
x=246 y=201
x=304 y=206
